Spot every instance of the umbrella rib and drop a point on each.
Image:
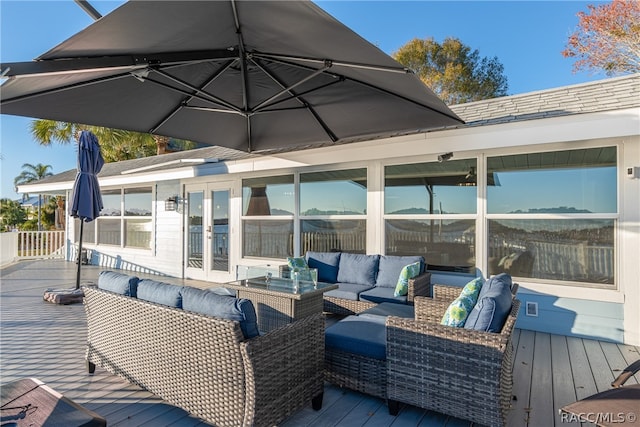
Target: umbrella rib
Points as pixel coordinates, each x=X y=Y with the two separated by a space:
x=399 y=70
x=243 y=69
x=289 y=88
x=275 y=58
x=188 y=99
x=63 y=88
x=299 y=98
x=199 y=93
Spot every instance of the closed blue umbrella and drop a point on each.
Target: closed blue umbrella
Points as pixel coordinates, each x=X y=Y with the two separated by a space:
x=86 y=200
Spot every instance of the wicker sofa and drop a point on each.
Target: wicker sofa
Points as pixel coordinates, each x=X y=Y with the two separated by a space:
x=405 y=355
x=364 y=280
x=202 y=363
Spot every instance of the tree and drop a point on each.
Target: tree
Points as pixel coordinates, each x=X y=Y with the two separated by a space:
x=12 y=213
x=607 y=38
x=32 y=173
x=453 y=71
x=115 y=144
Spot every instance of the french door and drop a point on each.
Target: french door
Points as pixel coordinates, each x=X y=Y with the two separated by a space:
x=207 y=232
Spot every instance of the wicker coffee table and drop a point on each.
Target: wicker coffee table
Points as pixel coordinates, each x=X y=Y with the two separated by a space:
x=278 y=301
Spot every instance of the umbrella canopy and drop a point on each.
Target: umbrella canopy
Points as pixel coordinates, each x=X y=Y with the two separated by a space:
x=248 y=75
x=86 y=201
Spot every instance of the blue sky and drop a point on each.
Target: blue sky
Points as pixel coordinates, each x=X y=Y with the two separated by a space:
x=526 y=36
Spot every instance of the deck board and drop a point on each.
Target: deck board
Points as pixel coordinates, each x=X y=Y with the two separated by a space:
x=47 y=341
x=564 y=391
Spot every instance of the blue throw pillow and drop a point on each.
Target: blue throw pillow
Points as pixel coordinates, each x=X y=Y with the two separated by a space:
x=160 y=293
x=327 y=264
x=119 y=283
x=493 y=306
x=225 y=307
x=408 y=272
x=358 y=269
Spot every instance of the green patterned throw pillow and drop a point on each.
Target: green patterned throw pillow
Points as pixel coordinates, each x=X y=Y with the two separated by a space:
x=472 y=289
x=459 y=309
x=408 y=272
x=457 y=313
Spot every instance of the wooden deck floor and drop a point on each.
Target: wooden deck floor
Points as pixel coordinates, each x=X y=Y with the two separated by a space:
x=46 y=341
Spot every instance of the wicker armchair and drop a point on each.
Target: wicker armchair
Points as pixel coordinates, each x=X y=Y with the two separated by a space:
x=456 y=371
x=204 y=364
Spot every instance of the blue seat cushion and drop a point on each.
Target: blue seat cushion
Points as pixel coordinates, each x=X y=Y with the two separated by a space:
x=349 y=291
x=160 y=293
x=390 y=267
x=222 y=306
x=327 y=264
x=366 y=336
x=119 y=283
x=382 y=294
x=493 y=306
x=390 y=309
x=359 y=269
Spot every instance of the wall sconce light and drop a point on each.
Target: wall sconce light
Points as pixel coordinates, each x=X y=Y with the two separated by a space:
x=171 y=204
x=444 y=157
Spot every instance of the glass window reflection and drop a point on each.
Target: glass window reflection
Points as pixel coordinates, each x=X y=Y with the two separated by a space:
x=111 y=202
x=431 y=188
x=577 y=250
x=571 y=181
x=341 y=192
x=137 y=201
x=268 y=196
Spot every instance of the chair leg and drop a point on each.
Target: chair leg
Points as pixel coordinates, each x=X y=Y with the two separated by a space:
x=316 y=402
x=394 y=407
x=91 y=367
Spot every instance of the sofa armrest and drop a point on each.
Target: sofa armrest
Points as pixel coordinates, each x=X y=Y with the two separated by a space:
x=419 y=286
x=284 y=368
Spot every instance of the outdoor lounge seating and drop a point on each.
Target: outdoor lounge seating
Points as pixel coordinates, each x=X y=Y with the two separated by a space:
x=202 y=352
x=407 y=356
x=365 y=280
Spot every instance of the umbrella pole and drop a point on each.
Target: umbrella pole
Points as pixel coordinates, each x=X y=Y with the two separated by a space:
x=79 y=255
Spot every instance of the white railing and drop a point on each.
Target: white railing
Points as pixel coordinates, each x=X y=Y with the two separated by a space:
x=41 y=244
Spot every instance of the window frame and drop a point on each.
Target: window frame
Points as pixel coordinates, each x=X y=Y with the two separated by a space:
x=615 y=217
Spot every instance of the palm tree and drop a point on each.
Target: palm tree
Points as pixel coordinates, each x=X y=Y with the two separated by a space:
x=32 y=173
x=115 y=144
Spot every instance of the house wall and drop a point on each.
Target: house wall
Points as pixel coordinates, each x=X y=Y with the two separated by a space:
x=606 y=314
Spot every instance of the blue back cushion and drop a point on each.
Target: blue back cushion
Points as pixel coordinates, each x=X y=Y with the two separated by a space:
x=493 y=306
x=390 y=267
x=160 y=293
x=359 y=269
x=327 y=264
x=226 y=307
x=119 y=283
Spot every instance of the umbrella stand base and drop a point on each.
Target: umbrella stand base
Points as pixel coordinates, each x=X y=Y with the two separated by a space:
x=63 y=296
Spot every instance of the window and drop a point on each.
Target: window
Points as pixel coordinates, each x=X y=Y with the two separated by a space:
x=553 y=215
x=268 y=207
x=125 y=220
x=333 y=208
x=430 y=209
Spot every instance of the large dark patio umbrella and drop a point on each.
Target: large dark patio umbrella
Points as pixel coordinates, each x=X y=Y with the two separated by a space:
x=86 y=201
x=257 y=76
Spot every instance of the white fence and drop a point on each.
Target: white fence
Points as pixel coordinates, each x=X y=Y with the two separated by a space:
x=41 y=244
